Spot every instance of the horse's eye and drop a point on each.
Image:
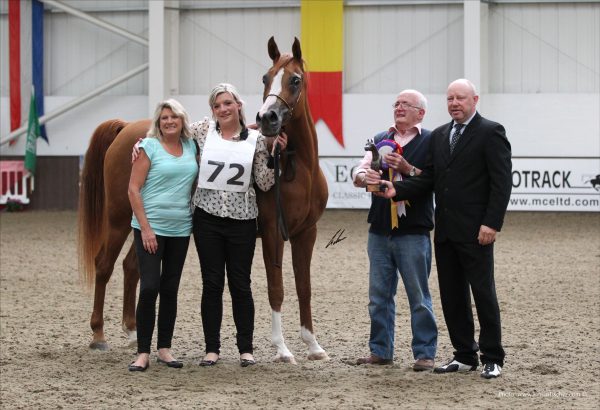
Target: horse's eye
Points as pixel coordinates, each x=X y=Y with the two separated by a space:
x=295 y=81
x=265 y=79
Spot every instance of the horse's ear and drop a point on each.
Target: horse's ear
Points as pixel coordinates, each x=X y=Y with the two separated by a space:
x=273 y=50
x=296 y=50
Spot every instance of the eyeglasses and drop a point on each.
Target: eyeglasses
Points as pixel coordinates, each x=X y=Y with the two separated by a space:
x=404 y=106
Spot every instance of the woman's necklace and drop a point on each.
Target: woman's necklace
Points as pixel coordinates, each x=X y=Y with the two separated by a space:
x=234 y=137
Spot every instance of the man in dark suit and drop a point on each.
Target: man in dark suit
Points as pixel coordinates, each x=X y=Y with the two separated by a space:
x=469 y=170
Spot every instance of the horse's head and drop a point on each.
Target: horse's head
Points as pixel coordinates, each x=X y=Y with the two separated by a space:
x=285 y=89
x=376 y=158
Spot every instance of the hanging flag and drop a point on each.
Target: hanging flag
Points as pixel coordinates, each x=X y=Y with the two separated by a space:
x=322 y=48
x=37 y=46
x=26 y=56
x=33 y=132
x=14 y=47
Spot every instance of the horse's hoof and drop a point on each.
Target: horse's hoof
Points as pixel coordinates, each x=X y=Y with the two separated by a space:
x=285 y=359
x=99 y=345
x=318 y=356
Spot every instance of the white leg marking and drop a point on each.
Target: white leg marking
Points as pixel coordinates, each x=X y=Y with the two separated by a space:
x=283 y=354
x=315 y=351
x=131 y=336
x=275 y=89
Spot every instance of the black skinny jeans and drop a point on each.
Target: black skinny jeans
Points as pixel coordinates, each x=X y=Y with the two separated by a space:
x=225 y=243
x=171 y=255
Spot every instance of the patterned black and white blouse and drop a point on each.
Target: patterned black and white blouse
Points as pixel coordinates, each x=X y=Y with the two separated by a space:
x=229 y=204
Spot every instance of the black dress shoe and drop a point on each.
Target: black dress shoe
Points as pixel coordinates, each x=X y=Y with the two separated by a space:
x=134 y=368
x=176 y=364
x=491 y=371
x=455 y=367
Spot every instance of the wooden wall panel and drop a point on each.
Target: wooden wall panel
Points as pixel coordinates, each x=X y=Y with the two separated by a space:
x=56 y=183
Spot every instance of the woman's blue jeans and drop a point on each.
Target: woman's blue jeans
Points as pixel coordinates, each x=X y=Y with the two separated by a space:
x=409 y=256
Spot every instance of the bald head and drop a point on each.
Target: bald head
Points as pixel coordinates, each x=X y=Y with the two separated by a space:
x=461 y=99
x=464 y=83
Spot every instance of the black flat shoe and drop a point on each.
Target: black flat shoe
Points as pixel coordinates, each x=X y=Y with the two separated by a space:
x=247 y=362
x=206 y=363
x=134 y=368
x=176 y=364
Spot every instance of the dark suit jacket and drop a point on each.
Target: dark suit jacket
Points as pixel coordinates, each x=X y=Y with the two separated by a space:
x=472 y=185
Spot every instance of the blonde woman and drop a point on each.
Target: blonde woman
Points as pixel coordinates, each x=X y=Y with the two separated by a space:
x=159 y=191
x=233 y=160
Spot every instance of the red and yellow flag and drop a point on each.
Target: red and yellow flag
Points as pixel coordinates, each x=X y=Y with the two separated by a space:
x=322 y=48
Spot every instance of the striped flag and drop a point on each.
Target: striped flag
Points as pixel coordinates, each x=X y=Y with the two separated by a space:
x=33 y=132
x=26 y=59
x=322 y=48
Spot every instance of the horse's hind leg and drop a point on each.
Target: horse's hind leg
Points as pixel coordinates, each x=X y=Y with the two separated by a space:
x=105 y=262
x=131 y=276
x=302 y=249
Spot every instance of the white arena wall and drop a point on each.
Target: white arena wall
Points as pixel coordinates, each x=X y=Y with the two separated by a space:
x=536 y=63
x=555 y=140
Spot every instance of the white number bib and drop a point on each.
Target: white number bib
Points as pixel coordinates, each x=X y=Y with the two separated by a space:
x=226 y=165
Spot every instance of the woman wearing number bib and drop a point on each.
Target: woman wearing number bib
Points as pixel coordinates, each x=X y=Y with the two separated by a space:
x=233 y=159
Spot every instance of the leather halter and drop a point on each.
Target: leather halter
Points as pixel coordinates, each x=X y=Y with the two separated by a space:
x=289 y=107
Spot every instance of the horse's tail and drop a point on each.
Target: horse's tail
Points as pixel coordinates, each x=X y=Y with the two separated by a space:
x=91 y=198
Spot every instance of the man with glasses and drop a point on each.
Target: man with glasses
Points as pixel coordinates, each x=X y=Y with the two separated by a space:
x=398 y=241
x=470 y=172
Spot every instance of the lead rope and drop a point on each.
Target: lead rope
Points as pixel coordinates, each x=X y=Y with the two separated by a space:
x=281 y=225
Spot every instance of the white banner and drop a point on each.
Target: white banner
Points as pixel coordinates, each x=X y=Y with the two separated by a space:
x=539 y=184
x=555 y=184
x=342 y=193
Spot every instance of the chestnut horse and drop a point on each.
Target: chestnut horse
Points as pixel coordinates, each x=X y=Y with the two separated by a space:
x=105 y=212
x=105 y=220
x=303 y=192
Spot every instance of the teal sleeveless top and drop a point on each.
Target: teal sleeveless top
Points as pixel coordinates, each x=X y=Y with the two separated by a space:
x=167 y=190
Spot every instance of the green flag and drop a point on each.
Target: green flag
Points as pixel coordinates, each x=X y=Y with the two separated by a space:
x=33 y=132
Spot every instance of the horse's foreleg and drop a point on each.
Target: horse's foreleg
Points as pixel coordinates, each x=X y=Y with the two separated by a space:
x=302 y=249
x=105 y=262
x=283 y=354
x=272 y=255
x=131 y=276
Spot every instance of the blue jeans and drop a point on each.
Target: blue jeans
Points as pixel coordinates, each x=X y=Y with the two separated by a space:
x=409 y=255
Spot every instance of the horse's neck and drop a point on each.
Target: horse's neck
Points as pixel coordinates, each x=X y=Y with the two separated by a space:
x=303 y=139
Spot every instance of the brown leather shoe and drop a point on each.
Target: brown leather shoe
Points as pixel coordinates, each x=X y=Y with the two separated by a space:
x=373 y=359
x=422 y=365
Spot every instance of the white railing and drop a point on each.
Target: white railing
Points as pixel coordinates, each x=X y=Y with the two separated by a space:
x=15 y=182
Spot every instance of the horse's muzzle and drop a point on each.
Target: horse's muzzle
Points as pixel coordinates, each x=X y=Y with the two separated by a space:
x=270 y=123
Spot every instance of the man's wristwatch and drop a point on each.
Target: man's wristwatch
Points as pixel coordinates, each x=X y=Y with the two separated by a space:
x=413 y=171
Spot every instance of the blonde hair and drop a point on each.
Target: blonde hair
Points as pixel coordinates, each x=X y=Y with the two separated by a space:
x=178 y=110
x=228 y=88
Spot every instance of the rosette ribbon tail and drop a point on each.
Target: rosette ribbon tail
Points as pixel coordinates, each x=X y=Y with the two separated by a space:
x=394 y=206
